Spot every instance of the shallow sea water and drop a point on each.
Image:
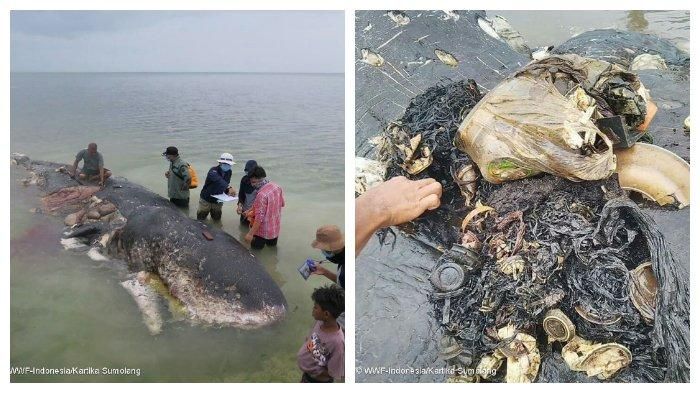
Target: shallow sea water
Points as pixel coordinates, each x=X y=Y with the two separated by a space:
x=68 y=310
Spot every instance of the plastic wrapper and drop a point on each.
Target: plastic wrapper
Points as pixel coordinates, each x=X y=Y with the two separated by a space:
x=542 y=119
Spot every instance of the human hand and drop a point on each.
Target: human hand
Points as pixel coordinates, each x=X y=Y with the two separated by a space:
x=319 y=270
x=400 y=200
x=167 y=174
x=239 y=209
x=249 y=237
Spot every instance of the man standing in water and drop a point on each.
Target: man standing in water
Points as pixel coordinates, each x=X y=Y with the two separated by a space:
x=178 y=176
x=246 y=192
x=217 y=183
x=93 y=165
x=268 y=205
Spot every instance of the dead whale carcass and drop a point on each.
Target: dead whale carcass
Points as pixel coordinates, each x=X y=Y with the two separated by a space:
x=218 y=282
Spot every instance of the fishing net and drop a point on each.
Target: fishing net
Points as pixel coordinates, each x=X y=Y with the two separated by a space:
x=435 y=116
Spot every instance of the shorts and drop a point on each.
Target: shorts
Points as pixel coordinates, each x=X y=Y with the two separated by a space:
x=306 y=378
x=88 y=172
x=208 y=207
x=259 y=242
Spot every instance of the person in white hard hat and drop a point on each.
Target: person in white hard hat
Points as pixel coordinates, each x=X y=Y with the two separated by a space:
x=217 y=182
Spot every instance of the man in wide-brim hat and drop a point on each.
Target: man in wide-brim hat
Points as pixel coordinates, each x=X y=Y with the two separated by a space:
x=331 y=241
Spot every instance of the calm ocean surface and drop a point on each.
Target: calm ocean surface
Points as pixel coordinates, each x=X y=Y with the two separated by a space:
x=68 y=310
x=555 y=27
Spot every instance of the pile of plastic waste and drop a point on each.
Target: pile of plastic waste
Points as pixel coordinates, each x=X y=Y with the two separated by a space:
x=549 y=272
x=550 y=267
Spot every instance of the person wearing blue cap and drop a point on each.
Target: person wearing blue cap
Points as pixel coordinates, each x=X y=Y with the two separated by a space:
x=246 y=192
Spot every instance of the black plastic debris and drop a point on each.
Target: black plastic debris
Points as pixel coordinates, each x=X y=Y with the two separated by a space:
x=550 y=244
x=580 y=242
x=435 y=115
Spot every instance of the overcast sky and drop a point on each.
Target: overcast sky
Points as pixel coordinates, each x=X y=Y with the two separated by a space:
x=172 y=41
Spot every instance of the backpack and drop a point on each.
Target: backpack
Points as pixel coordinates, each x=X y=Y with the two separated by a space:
x=194 y=183
x=194 y=180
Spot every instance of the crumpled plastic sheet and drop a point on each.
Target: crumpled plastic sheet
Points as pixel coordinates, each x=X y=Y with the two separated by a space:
x=542 y=119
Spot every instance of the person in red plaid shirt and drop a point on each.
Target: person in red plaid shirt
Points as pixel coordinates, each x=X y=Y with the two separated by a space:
x=268 y=211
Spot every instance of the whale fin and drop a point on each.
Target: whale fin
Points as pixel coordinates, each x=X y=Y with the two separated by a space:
x=146 y=299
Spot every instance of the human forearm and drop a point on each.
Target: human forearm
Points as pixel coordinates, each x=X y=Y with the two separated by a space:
x=367 y=220
x=396 y=201
x=331 y=276
x=320 y=270
x=254 y=228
